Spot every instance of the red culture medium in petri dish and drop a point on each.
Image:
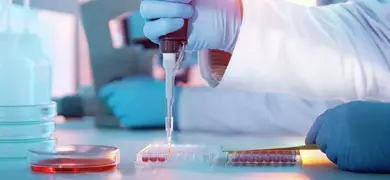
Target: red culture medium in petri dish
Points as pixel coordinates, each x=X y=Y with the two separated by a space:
x=68 y=165
x=74 y=159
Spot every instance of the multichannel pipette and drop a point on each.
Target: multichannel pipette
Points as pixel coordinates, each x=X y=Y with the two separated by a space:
x=172 y=48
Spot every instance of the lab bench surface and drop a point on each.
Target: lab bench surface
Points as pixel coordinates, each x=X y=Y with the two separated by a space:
x=130 y=142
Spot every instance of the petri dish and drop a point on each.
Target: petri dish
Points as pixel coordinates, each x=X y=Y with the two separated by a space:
x=25 y=131
x=19 y=148
x=74 y=159
x=29 y=113
x=159 y=155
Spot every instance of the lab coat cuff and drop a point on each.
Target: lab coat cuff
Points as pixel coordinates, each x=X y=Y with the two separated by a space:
x=212 y=71
x=241 y=57
x=206 y=69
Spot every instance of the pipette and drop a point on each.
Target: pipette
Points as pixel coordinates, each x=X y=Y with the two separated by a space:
x=172 y=48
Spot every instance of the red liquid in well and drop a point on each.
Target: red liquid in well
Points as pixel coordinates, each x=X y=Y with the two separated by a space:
x=267 y=158
x=153 y=159
x=243 y=158
x=285 y=158
x=70 y=165
x=276 y=157
x=251 y=158
x=235 y=158
x=161 y=159
x=258 y=158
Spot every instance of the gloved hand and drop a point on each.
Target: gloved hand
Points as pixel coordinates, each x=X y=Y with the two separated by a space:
x=138 y=102
x=355 y=136
x=213 y=24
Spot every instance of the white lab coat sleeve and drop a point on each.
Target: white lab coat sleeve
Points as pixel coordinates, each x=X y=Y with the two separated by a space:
x=229 y=111
x=339 y=51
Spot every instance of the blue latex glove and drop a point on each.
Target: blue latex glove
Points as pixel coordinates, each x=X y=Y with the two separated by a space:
x=138 y=102
x=213 y=24
x=355 y=136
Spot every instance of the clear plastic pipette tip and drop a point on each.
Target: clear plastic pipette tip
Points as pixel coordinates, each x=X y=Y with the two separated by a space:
x=169 y=136
x=168 y=128
x=169 y=63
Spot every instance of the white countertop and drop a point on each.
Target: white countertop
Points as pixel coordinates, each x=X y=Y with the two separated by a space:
x=130 y=142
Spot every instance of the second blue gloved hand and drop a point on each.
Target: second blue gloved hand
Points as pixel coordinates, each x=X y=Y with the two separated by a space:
x=214 y=24
x=355 y=136
x=138 y=102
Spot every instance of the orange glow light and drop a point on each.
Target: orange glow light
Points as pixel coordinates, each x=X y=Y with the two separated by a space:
x=314 y=158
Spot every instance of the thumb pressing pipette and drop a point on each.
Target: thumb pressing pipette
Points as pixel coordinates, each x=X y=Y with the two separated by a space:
x=172 y=48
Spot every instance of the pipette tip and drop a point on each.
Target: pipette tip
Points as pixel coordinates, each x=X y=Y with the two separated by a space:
x=169 y=140
x=169 y=146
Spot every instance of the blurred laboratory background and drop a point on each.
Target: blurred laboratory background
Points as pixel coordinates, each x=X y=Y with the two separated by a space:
x=94 y=42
